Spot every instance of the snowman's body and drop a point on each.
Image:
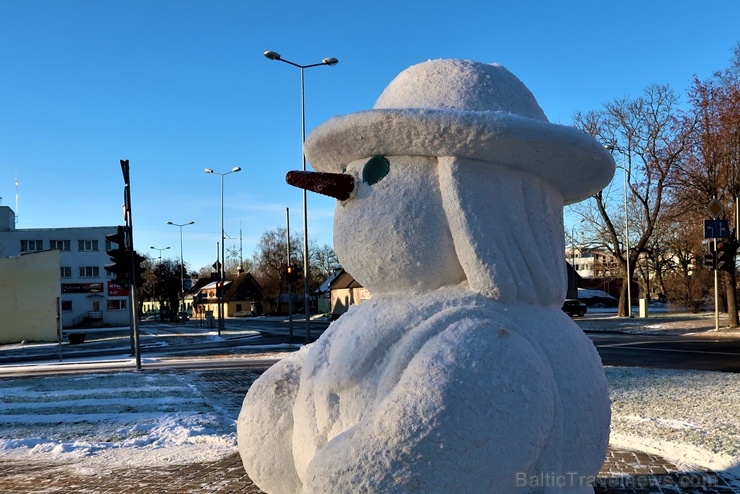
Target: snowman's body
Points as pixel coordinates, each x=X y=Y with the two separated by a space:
x=441 y=392
x=461 y=373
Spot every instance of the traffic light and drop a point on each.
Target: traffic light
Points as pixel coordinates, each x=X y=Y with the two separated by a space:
x=120 y=257
x=139 y=270
x=726 y=256
x=709 y=261
x=292 y=274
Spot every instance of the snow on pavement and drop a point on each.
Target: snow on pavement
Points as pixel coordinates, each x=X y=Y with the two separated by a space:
x=690 y=417
x=109 y=420
x=112 y=419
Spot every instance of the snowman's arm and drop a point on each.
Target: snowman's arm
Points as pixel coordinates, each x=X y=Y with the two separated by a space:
x=473 y=409
x=265 y=427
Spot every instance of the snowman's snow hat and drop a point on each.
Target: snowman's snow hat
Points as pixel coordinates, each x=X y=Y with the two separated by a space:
x=470 y=110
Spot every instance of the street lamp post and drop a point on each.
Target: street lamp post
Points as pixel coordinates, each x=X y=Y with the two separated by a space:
x=627 y=244
x=573 y=252
x=160 y=252
x=627 y=277
x=222 y=274
x=182 y=267
x=327 y=61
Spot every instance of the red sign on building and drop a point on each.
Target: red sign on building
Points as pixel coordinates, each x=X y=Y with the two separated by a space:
x=115 y=290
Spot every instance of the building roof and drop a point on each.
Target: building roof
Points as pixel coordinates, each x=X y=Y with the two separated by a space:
x=200 y=284
x=244 y=287
x=344 y=280
x=325 y=286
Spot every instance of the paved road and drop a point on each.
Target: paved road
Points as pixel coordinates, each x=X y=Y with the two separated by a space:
x=672 y=349
x=668 y=352
x=615 y=348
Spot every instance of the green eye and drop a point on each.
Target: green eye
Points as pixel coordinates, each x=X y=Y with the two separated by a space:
x=375 y=169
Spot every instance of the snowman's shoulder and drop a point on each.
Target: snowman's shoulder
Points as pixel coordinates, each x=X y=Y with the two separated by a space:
x=477 y=349
x=472 y=335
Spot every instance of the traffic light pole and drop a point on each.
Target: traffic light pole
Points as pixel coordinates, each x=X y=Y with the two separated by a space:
x=133 y=289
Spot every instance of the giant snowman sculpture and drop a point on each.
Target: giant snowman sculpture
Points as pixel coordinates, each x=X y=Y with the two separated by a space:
x=461 y=374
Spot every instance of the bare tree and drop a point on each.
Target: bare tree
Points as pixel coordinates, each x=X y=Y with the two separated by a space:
x=323 y=262
x=270 y=260
x=162 y=284
x=712 y=168
x=648 y=140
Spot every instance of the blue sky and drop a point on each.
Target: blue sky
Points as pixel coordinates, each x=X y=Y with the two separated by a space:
x=176 y=86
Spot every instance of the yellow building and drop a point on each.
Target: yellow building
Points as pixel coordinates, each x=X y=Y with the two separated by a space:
x=346 y=291
x=30 y=294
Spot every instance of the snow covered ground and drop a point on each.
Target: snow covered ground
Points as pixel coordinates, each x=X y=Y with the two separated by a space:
x=111 y=419
x=106 y=420
x=689 y=417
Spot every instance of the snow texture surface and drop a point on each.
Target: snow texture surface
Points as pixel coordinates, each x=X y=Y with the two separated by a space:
x=123 y=419
x=461 y=372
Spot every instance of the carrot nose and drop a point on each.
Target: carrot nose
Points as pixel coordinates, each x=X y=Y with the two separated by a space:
x=336 y=185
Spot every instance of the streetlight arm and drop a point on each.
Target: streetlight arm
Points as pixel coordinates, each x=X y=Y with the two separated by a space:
x=182 y=263
x=276 y=56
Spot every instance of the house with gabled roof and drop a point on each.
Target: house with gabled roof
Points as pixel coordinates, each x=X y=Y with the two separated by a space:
x=242 y=297
x=346 y=291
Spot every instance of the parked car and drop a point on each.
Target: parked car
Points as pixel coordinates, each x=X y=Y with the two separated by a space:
x=574 y=307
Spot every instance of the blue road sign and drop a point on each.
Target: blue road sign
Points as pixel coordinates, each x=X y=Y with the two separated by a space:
x=716 y=229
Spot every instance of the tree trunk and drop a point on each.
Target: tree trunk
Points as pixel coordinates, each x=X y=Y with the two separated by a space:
x=622 y=311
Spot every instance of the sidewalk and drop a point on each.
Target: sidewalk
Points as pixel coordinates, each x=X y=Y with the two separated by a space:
x=624 y=472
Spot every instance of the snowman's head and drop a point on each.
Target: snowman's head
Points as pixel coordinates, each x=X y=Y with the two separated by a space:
x=455 y=175
x=391 y=233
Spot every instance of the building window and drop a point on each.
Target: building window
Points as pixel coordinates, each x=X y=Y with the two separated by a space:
x=87 y=245
x=66 y=305
x=31 y=245
x=117 y=304
x=66 y=272
x=89 y=271
x=59 y=244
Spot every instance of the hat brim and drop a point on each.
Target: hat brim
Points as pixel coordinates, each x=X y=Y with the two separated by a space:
x=567 y=158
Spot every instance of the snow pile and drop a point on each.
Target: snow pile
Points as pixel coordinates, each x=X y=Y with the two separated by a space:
x=596 y=297
x=119 y=419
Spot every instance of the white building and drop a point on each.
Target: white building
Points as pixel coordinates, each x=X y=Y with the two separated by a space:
x=87 y=291
x=593 y=263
